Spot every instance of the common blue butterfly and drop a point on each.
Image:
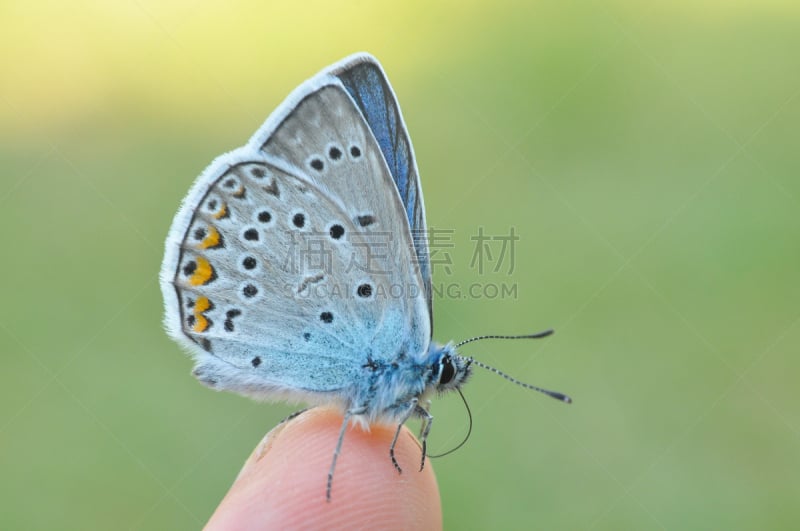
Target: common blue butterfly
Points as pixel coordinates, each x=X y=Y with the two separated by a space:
x=297 y=267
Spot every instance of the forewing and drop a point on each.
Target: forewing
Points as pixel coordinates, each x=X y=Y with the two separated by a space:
x=368 y=85
x=327 y=137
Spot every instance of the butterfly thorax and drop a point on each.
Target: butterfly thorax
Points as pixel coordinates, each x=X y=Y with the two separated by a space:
x=392 y=389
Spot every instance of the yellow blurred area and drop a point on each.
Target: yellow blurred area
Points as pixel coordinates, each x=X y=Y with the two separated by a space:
x=62 y=61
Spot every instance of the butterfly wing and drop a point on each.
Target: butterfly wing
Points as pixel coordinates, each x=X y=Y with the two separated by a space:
x=289 y=266
x=368 y=85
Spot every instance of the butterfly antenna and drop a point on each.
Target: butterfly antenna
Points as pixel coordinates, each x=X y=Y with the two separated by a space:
x=469 y=361
x=553 y=394
x=526 y=336
x=466 y=437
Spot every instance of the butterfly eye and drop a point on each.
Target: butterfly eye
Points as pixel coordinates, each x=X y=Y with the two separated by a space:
x=446 y=371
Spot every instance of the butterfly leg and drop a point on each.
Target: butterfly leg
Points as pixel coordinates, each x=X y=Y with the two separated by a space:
x=412 y=405
x=427 y=422
x=427 y=407
x=347 y=416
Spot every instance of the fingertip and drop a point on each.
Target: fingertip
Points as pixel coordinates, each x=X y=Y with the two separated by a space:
x=283 y=482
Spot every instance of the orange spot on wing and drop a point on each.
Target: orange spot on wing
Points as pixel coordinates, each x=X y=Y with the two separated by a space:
x=212 y=240
x=222 y=212
x=201 y=322
x=201 y=305
x=203 y=274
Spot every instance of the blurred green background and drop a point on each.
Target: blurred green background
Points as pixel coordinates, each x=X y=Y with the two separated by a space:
x=645 y=153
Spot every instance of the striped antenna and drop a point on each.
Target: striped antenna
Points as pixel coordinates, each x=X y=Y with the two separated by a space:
x=526 y=336
x=553 y=394
x=469 y=361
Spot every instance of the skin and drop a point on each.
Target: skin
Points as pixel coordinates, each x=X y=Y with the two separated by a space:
x=282 y=484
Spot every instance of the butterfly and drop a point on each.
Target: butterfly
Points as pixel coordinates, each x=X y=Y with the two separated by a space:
x=297 y=267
